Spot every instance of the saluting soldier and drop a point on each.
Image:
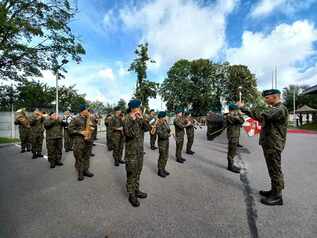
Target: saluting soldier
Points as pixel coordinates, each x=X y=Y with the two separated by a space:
x=68 y=145
x=117 y=136
x=180 y=126
x=92 y=119
x=108 y=121
x=190 y=133
x=54 y=139
x=163 y=132
x=134 y=127
x=81 y=132
x=37 y=129
x=272 y=139
x=234 y=121
x=153 y=136
x=24 y=130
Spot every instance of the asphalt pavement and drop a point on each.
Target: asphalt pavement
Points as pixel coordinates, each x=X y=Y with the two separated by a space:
x=199 y=199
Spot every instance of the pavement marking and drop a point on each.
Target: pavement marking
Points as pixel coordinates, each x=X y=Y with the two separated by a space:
x=44 y=156
x=249 y=199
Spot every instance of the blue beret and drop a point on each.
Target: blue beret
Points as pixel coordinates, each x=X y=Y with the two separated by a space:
x=233 y=106
x=82 y=107
x=270 y=92
x=134 y=103
x=161 y=114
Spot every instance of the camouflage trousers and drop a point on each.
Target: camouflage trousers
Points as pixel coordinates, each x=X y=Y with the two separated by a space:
x=68 y=144
x=134 y=165
x=109 y=141
x=54 y=149
x=179 y=145
x=82 y=154
x=117 y=145
x=163 y=150
x=37 y=143
x=153 y=139
x=190 y=142
x=232 y=149
x=25 y=138
x=274 y=165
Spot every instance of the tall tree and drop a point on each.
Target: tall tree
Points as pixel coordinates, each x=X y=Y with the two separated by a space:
x=34 y=36
x=300 y=99
x=145 y=89
x=122 y=104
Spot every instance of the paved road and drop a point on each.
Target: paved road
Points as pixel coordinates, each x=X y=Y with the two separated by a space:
x=198 y=199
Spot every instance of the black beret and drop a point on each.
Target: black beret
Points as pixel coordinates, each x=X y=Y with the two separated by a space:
x=117 y=108
x=270 y=92
x=161 y=114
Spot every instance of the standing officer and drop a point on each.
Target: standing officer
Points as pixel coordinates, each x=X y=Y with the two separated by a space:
x=272 y=139
x=117 y=136
x=81 y=131
x=163 y=132
x=54 y=139
x=152 y=120
x=190 y=133
x=37 y=129
x=108 y=121
x=67 y=138
x=134 y=130
x=234 y=121
x=24 y=130
x=180 y=126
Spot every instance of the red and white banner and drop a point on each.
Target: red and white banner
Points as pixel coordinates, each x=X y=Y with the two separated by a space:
x=252 y=127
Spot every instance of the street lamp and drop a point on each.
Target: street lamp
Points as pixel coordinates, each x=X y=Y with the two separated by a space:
x=240 y=94
x=64 y=61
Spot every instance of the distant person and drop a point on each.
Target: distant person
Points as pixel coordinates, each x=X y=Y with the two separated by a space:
x=152 y=122
x=180 y=126
x=117 y=136
x=24 y=130
x=37 y=128
x=272 y=139
x=68 y=144
x=108 y=122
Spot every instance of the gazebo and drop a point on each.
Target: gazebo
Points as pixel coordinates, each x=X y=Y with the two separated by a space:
x=308 y=111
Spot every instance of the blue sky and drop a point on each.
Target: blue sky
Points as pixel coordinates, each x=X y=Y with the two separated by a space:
x=260 y=33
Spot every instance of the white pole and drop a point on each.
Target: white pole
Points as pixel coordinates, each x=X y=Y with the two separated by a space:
x=294 y=105
x=56 y=103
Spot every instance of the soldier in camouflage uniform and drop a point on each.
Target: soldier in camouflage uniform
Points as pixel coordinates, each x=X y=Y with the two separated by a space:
x=152 y=119
x=54 y=139
x=272 y=139
x=24 y=131
x=180 y=126
x=134 y=151
x=117 y=136
x=68 y=145
x=163 y=132
x=190 y=133
x=81 y=143
x=108 y=121
x=37 y=129
x=93 y=120
x=233 y=120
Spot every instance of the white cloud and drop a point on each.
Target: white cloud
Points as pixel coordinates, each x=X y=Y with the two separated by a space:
x=180 y=28
x=266 y=7
x=106 y=73
x=286 y=47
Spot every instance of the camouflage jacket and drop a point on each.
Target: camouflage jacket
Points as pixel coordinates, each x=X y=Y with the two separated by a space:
x=134 y=133
x=37 y=125
x=116 y=123
x=163 y=131
x=274 y=126
x=108 y=123
x=179 y=126
x=75 y=128
x=54 y=129
x=234 y=122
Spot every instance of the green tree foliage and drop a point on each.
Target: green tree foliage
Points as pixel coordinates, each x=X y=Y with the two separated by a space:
x=100 y=107
x=300 y=99
x=34 y=36
x=198 y=85
x=122 y=104
x=145 y=89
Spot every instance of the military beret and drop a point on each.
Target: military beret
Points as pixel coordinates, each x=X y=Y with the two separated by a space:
x=152 y=110
x=82 y=107
x=233 y=106
x=117 y=108
x=161 y=114
x=134 y=103
x=270 y=92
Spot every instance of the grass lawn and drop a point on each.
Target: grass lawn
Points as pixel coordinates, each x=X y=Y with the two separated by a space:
x=4 y=140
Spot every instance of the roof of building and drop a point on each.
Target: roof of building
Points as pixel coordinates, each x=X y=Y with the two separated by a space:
x=306 y=109
x=311 y=90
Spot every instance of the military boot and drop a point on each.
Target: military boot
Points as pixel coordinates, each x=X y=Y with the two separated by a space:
x=52 y=166
x=23 y=150
x=183 y=159
x=121 y=161
x=28 y=148
x=190 y=152
x=34 y=156
x=265 y=193
x=134 y=200
x=116 y=163
x=275 y=199
x=166 y=172
x=87 y=173
x=232 y=167
x=180 y=161
x=59 y=163
x=81 y=176
x=161 y=173
x=39 y=154
x=140 y=194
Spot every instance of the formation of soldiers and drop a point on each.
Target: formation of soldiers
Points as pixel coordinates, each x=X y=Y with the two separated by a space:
x=125 y=138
